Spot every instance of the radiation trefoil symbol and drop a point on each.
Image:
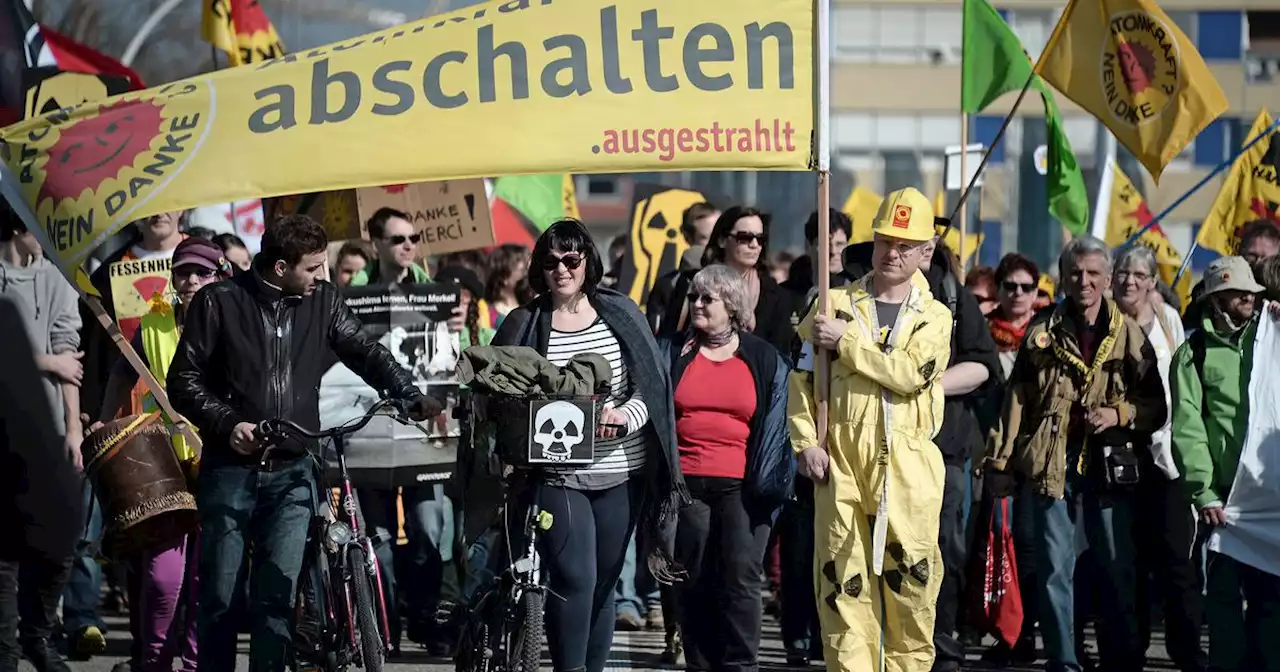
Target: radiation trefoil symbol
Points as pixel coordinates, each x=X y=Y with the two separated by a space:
x=559 y=429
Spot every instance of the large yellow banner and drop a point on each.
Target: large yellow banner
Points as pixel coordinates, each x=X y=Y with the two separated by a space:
x=503 y=88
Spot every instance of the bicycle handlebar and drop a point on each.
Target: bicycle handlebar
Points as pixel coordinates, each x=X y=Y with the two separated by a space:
x=280 y=428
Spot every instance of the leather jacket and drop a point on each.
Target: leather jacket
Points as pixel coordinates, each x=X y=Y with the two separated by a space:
x=249 y=353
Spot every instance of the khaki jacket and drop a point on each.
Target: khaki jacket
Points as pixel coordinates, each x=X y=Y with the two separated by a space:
x=1049 y=379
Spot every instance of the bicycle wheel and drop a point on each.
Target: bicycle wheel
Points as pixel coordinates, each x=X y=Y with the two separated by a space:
x=526 y=642
x=371 y=648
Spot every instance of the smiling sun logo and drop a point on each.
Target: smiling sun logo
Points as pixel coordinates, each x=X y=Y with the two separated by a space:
x=97 y=148
x=89 y=170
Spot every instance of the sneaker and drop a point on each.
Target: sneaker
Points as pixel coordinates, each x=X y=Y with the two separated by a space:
x=674 y=653
x=88 y=642
x=654 y=619
x=629 y=622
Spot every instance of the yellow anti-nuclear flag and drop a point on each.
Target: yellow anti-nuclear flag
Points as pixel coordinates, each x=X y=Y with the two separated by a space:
x=972 y=239
x=240 y=28
x=1129 y=65
x=569 y=196
x=605 y=87
x=1127 y=214
x=1251 y=191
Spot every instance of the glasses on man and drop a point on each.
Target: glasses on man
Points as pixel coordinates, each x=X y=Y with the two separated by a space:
x=401 y=240
x=570 y=261
x=745 y=237
x=1018 y=287
x=704 y=299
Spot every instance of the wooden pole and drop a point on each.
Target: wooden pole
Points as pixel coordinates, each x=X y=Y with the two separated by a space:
x=964 y=208
x=143 y=371
x=822 y=367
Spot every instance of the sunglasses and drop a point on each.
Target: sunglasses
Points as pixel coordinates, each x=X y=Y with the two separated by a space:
x=400 y=240
x=745 y=237
x=198 y=271
x=570 y=261
x=1015 y=287
x=705 y=299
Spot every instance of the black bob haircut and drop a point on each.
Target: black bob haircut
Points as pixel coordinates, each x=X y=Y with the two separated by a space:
x=290 y=238
x=714 y=253
x=566 y=235
x=836 y=221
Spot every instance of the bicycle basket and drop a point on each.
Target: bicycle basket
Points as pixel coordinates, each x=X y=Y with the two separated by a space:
x=542 y=431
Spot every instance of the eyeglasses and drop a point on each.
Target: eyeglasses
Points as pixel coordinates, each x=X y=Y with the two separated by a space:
x=1122 y=276
x=705 y=299
x=401 y=240
x=1016 y=287
x=745 y=237
x=570 y=261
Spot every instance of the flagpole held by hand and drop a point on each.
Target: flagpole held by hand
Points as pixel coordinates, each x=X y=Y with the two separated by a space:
x=1205 y=180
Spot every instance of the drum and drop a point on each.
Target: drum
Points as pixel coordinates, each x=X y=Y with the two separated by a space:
x=141 y=485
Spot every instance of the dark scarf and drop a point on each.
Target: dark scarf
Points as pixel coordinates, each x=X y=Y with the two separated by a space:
x=530 y=325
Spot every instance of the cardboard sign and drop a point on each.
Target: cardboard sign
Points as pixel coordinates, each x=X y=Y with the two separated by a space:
x=452 y=216
x=138 y=287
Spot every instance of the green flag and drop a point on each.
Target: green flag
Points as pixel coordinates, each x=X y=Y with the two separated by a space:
x=539 y=198
x=995 y=64
x=1068 y=200
x=994 y=61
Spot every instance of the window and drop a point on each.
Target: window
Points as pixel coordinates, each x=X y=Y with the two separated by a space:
x=602 y=186
x=1187 y=23
x=897 y=34
x=1262 y=62
x=901 y=169
x=1033 y=27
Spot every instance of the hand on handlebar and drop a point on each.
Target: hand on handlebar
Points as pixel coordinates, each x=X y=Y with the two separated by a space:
x=244 y=438
x=424 y=408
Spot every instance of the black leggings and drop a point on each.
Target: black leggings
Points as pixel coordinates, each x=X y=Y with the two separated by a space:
x=584 y=551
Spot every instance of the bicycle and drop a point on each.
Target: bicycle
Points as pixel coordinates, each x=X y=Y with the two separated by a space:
x=504 y=627
x=344 y=621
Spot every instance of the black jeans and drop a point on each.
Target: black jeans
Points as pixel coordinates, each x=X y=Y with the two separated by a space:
x=801 y=633
x=583 y=554
x=722 y=546
x=952 y=540
x=1167 y=570
x=272 y=510
x=28 y=614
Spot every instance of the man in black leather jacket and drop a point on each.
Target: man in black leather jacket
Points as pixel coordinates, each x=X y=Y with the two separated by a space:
x=254 y=348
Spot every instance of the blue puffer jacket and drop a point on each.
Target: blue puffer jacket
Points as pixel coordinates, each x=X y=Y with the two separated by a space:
x=771 y=464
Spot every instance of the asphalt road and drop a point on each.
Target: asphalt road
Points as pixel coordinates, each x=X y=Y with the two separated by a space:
x=631 y=651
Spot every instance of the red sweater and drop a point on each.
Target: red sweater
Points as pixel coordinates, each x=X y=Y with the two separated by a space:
x=714 y=404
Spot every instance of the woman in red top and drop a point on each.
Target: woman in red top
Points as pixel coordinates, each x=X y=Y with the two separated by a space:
x=730 y=404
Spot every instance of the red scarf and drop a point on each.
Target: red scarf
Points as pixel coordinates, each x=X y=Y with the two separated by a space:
x=1008 y=336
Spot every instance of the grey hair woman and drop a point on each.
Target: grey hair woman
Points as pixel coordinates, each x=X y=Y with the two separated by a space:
x=730 y=407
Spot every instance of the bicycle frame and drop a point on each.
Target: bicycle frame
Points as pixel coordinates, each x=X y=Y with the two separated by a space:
x=351 y=507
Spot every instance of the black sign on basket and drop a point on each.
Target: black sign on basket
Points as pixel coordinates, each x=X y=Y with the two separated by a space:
x=562 y=431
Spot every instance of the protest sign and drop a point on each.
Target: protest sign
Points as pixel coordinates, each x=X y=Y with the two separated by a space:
x=138 y=287
x=452 y=216
x=654 y=241
x=506 y=87
x=409 y=321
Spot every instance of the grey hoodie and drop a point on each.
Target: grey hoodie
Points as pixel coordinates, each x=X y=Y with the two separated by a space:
x=47 y=303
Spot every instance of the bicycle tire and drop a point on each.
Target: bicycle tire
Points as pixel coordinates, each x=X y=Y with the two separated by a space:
x=371 y=647
x=526 y=642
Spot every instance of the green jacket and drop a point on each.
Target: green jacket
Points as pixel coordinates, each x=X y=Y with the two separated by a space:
x=1210 y=416
x=417 y=275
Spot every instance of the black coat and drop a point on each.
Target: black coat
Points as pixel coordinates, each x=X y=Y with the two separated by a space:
x=773 y=311
x=771 y=464
x=249 y=353
x=41 y=513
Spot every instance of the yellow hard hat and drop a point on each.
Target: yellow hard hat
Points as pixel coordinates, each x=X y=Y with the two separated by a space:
x=906 y=215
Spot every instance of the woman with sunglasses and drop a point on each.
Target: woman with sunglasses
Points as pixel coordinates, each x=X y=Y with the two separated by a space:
x=739 y=241
x=735 y=453
x=165 y=575
x=636 y=473
x=1017 y=287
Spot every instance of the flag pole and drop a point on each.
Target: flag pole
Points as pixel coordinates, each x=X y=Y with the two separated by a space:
x=1186 y=263
x=964 y=170
x=1106 y=179
x=1205 y=180
x=822 y=365
x=986 y=156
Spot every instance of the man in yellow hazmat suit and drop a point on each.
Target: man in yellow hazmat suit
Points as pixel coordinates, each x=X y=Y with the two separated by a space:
x=878 y=477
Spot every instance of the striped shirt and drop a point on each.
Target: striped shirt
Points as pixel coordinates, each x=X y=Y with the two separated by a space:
x=614 y=458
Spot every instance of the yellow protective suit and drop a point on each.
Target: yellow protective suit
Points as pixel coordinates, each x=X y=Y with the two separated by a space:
x=878 y=371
